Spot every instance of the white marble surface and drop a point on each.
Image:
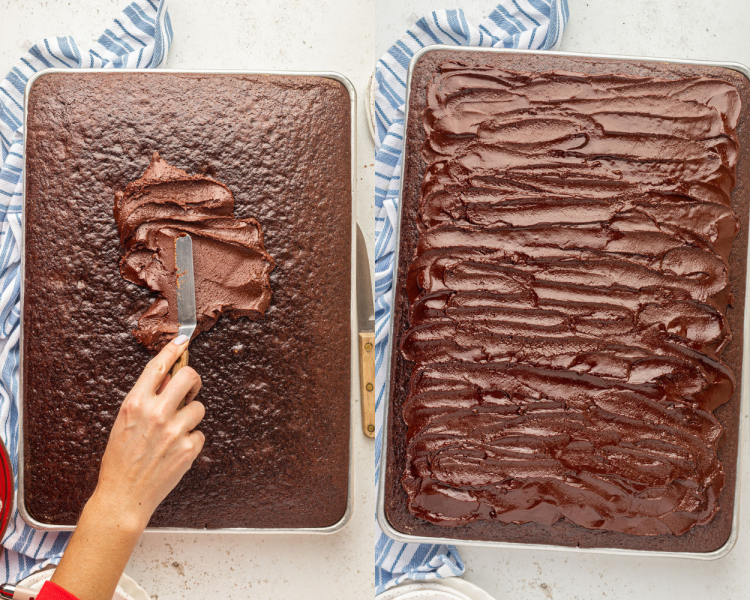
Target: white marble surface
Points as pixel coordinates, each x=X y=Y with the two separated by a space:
x=697 y=29
x=333 y=35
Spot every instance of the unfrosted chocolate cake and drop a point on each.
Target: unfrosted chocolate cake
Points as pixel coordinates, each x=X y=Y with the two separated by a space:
x=276 y=389
x=568 y=365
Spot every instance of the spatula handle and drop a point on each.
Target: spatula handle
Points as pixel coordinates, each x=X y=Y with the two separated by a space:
x=367 y=382
x=181 y=362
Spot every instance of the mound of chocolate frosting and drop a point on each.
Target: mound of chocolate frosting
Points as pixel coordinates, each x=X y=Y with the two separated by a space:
x=232 y=267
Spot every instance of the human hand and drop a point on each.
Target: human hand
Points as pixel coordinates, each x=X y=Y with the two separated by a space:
x=151 y=446
x=152 y=443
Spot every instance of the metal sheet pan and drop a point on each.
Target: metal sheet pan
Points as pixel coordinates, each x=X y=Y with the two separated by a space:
x=385 y=525
x=352 y=314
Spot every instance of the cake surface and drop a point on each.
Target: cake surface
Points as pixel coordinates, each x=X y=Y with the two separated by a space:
x=561 y=308
x=276 y=390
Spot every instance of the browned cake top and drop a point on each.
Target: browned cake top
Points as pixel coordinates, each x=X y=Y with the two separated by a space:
x=567 y=300
x=276 y=390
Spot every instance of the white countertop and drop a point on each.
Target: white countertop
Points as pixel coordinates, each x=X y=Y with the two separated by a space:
x=698 y=29
x=331 y=35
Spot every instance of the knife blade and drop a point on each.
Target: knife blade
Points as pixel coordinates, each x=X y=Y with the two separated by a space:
x=366 y=321
x=186 y=318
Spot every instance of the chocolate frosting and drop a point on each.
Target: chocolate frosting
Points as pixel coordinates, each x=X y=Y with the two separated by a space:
x=568 y=300
x=231 y=265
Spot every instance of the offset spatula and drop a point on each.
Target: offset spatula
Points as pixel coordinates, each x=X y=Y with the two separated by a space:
x=183 y=264
x=366 y=319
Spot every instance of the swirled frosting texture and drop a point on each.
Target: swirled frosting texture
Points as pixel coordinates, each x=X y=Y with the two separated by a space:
x=568 y=298
x=231 y=265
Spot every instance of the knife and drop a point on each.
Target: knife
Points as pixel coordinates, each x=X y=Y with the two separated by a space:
x=366 y=319
x=183 y=265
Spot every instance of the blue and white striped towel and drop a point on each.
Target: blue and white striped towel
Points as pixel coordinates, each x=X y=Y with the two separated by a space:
x=531 y=24
x=138 y=38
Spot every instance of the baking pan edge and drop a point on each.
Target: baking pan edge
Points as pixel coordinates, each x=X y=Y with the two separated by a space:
x=353 y=370
x=385 y=525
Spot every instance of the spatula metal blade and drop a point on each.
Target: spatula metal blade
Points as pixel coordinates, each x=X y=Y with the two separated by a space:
x=183 y=259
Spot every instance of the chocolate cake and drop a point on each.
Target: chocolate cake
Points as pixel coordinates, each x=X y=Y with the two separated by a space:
x=567 y=367
x=276 y=389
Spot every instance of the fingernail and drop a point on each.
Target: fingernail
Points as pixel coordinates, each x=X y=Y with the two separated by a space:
x=180 y=340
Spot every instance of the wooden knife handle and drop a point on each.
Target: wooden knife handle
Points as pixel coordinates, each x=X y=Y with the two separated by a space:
x=181 y=362
x=367 y=382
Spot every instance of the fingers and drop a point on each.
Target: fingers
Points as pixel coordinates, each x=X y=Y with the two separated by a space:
x=197 y=439
x=158 y=367
x=164 y=383
x=190 y=448
x=190 y=416
x=185 y=384
x=183 y=455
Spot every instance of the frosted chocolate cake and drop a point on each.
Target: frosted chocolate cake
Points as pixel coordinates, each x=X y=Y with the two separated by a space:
x=566 y=292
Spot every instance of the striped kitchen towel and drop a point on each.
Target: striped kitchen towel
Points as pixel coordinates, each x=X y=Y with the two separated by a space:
x=138 y=38
x=530 y=24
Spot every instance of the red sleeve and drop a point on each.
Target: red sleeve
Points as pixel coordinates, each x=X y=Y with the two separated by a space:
x=52 y=591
